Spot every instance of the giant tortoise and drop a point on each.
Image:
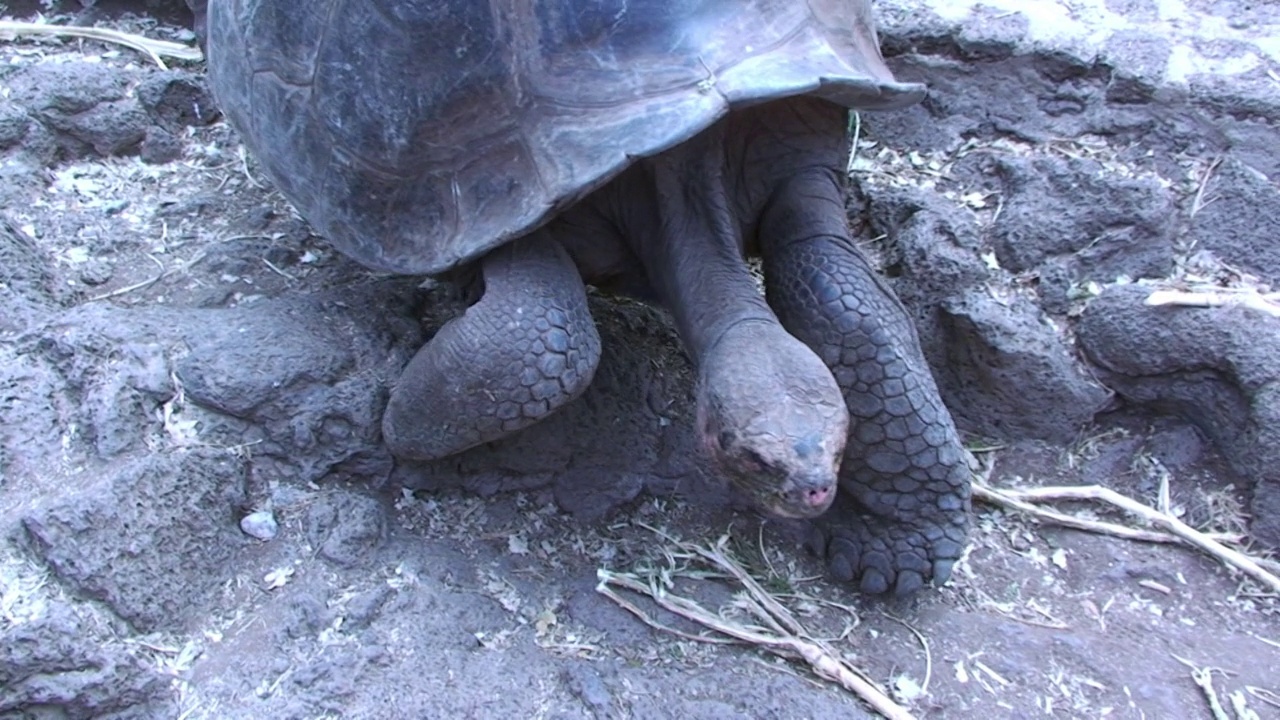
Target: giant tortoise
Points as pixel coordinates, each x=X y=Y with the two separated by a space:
x=648 y=145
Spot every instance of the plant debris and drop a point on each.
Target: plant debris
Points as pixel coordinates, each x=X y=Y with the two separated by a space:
x=776 y=629
x=154 y=49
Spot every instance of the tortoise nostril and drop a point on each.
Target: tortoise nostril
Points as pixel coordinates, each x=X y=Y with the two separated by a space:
x=817 y=497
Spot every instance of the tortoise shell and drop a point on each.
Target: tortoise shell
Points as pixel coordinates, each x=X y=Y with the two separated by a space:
x=417 y=136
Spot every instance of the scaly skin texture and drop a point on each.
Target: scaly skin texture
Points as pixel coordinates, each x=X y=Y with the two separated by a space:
x=526 y=348
x=902 y=516
x=769 y=413
x=820 y=384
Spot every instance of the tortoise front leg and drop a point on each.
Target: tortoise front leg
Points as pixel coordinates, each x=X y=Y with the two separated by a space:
x=901 y=518
x=526 y=348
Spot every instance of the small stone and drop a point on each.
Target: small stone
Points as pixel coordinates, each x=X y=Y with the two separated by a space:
x=261 y=524
x=160 y=146
x=587 y=684
x=96 y=272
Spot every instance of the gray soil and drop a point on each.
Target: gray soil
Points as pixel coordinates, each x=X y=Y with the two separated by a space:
x=198 y=519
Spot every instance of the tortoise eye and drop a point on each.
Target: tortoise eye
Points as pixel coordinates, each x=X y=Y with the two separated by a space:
x=725 y=438
x=757 y=459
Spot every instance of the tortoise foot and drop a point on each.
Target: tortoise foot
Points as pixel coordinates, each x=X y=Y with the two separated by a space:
x=882 y=555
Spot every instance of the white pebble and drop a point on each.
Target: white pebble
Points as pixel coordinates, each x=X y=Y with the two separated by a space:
x=261 y=525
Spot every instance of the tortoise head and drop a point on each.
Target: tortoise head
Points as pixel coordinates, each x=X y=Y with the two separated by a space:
x=772 y=417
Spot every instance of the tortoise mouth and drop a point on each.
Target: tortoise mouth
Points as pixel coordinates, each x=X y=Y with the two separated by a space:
x=795 y=501
x=789 y=508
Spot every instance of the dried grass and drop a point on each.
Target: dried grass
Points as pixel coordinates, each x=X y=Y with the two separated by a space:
x=771 y=626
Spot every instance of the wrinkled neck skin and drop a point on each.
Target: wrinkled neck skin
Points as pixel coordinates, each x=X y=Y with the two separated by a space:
x=769 y=411
x=713 y=188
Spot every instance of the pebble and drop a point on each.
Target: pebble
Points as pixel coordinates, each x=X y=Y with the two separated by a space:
x=115 y=207
x=261 y=524
x=96 y=272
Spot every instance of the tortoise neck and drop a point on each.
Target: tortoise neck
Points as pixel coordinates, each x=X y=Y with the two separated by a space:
x=688 y=238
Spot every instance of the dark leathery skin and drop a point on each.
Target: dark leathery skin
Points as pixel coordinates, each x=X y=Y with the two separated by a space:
x=901 y=518
x=527 y=347
x=768 y=411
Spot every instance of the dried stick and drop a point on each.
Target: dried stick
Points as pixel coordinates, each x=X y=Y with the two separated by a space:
x=153 y=49
x=1241 y=707
x=1003 y=498
x=784 y=636
x=1203 y=678
x=1168 y=523
x=821 y=660
x=164 y=273
x=1218 y=297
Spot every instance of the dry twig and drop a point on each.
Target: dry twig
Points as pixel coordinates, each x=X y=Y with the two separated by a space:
x=1003 y=498
x=164 y=273
x=1264 y=695
x=1198 y=203
x=781 y=633
x=1174 y=528
x=1268 y=304
x=924 y=643
x=154 y=49
x=1203 y=678
x=1240 y=705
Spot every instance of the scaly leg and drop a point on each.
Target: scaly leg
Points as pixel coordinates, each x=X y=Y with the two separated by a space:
x=527 y=347
x=901 y=517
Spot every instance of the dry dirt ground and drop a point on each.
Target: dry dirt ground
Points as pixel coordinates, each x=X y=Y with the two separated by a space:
x=487 y=607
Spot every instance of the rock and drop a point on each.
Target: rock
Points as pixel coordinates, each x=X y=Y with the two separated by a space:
x=115 y=402
x=14 y=123
x=306 y=616
x=154 y=540
x=275 y=364
x=346 y=527
x=26 y=149
x=1111 y=458
x=1098 y=224
x=985 y=87
x=263 y=374
x=1054 y=286
x=96 y=271
x=176 y=99
x=1177 y=448
x=932 y=252
x=57 y=665
x=1140 y=61
x=1041 y=76
x=160 y=146
x=1007 y=374
x=85 y=104
x=1240 y=221
x=365 y=607
x=1265 y=510
x=28 y=278
x=592 y=495
x=1002 y=370
x=590 y=688
x=261 y=525
x=1212 y=367
x=940 y=122
x=66 y=89
x=110 y=128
